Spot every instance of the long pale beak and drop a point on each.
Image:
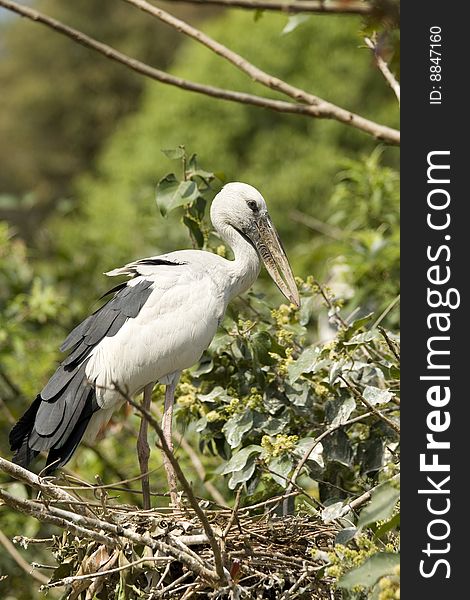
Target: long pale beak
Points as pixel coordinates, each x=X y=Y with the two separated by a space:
x=268 y=243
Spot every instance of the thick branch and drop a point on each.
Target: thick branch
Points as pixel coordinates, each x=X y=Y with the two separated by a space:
x=48 y=489
x=322 y=110
x=299 y=6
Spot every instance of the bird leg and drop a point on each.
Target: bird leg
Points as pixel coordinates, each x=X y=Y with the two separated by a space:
x=143 y=448
x=167 y=432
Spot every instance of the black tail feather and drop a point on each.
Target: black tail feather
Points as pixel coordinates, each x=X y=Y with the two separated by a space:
x=24 y=426
x=26 y=442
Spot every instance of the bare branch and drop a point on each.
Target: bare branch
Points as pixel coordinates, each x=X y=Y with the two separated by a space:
x=186 y=487
x=384 y=68
x=320 y=109
x=48 y=489
x=372 y=408
x=20 y=561
x=299 y=6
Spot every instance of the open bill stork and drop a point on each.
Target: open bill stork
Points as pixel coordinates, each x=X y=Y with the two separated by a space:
x=156 y=324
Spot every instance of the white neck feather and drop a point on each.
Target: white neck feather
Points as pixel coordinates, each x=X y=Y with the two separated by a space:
x=245 y=267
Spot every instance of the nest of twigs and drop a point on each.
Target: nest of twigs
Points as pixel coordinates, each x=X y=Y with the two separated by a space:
x=113 y=551
x=263 y=557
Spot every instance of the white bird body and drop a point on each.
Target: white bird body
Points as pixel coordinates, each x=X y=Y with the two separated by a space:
x=156 y=325
x=172 y=330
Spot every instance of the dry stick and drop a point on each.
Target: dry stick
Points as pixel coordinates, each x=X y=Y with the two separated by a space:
x=90 y=528
x=48 y=489
x=389 y=343
x=317 y=440
x=43 y=513
x=234 y=514
x=187 y=489
x=313 y=223
x=324 y=111
x=372 y=408
x=363 y=498
x=199 y=468
x=20 y=561
x=324 y=108
x=384 y=68
x=300 y=6
x=69 y=580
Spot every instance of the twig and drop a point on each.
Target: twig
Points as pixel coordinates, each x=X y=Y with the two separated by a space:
x=187 y=489
x=312 y=223
x=299 y=6
x=372 y=408
x=363 y=498
x=199 y=468
x=91 y=528
x=48 y=489
x=173 y=584
x=390 y=307
x=47 y=514
x=324 y=108
x=317 y=440
x=389 y=343
x=339 y=319
x=321 y=109
x=384 y=68
x=295 y=587
x=20 y=561
x=69 y=580
x=234 y=514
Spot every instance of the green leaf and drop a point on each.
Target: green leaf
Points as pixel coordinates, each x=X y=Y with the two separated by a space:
x=218 y=393
x=172 y=193
x=236 y=427
x=371 y=571
x=293 y=22
x=375 y=395
x=343 y=409
x=381 y=505
x=194 y=230
x=174 y=153
x=239 y=460
x=280 y=467
x=332 y=512
x=304 y=364
x=392 y=523
x=345 y=535
x=316 y=455
x=243 y=474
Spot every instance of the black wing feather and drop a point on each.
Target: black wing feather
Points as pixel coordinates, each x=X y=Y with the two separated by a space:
x=58 y=417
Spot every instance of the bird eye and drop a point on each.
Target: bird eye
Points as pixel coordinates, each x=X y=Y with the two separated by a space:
x=252 y=204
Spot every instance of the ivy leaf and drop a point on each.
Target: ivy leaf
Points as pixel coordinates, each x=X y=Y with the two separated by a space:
x=345 y=535
x=332 y=512
x=236 y=427
x=316 y=455
x=174 y=153
x=239 y=460
x=370 y=571
x=243 y=474
x=381 y=505
x=304 y=364
x=341 y=409
x=172 y=193
x=279 y=468
x=375 y=395
x=218 y=393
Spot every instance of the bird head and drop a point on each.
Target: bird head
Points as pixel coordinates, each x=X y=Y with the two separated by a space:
x=241 y=207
